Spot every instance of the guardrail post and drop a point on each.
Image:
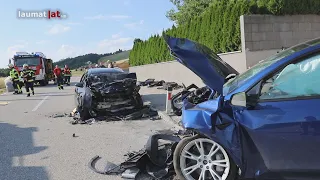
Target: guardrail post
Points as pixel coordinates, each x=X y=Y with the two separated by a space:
x=168 y=101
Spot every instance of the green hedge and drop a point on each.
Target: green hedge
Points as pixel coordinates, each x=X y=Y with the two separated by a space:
x=218 y=27
x=4 y=72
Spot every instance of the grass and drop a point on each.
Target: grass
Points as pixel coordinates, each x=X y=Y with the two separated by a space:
x=123 y=64
x=115 y=57
x=77 y=73
x=2 y=85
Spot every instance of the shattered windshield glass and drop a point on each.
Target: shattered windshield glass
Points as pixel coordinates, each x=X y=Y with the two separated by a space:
x=107 y=77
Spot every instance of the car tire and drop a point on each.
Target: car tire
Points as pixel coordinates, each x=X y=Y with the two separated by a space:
x=177 y=163
x=84 y=114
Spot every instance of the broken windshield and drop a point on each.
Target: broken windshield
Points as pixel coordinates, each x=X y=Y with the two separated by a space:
x=107 y=77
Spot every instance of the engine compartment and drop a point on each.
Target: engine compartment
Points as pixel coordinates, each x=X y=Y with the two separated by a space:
x=193 y=94
x=199 y=95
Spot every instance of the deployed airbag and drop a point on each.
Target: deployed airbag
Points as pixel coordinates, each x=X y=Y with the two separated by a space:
x=296 y=80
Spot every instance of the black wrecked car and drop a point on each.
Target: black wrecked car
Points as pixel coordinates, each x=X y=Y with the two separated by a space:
x=107 y=92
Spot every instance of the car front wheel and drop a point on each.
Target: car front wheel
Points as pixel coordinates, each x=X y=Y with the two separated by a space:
x=202 y=158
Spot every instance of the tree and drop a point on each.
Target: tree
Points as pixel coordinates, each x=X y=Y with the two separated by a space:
x=137 y=40
x=214 y=23
x=186 y=9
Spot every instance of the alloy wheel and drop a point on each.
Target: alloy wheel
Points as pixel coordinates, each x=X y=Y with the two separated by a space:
x=204 y=159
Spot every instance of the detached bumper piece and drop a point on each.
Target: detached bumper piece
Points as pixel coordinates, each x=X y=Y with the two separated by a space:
x=154 y=161
x=143 y=113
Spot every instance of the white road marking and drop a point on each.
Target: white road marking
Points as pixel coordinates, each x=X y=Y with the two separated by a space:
x=3 y=103
x=17 y=161
x=40 y=103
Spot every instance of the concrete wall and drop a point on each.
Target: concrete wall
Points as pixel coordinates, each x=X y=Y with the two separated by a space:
x=264 y=35
x=171 y=71
x=236 y=59
x=174 y=71
x=261 y=37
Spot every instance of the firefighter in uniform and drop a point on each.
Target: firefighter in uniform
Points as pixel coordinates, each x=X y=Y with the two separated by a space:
x=58 y=74
x=67 y=74
x=27 y=75
x=62 y=76
x=34 y=78
x=15 y=79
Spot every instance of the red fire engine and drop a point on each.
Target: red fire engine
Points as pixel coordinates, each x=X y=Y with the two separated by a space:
x=36 y=61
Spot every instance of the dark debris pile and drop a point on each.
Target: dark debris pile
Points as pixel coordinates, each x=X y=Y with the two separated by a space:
x=155 y=161
x=160 y=84
x=144 y=113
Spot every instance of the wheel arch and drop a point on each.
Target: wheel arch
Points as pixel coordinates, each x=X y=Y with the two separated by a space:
x=230 y=151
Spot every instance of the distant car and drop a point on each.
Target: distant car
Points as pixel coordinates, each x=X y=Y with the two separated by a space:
x=107 y=92
x=260 y=124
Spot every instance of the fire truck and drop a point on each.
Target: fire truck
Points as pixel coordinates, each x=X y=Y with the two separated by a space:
x=37 y=61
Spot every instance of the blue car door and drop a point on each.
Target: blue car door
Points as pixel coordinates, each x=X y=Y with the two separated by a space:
x=282 y=130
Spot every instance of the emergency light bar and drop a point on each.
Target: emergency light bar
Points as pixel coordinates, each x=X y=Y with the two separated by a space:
x=33 y=54
x=21 y=54
x=39 y=54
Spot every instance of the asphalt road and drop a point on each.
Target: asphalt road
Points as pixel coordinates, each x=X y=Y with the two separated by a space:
x=35 y=146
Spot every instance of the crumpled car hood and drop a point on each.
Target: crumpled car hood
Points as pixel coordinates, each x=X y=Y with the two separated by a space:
x=201 y=60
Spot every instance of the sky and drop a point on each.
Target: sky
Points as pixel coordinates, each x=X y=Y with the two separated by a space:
x=95 y=26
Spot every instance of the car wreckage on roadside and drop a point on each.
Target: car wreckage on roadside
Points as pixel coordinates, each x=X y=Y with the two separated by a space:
x=260 y=124
x=107 y=92
x=250 y=125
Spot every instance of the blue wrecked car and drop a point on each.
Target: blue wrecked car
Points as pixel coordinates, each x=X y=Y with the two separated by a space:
x=260 y=124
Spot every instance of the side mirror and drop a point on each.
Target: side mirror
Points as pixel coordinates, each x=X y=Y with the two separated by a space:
x=239 y=99
x=79 y=84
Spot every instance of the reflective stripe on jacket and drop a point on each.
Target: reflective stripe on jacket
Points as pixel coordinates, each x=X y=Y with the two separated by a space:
x=27 y=75
x=14 y=74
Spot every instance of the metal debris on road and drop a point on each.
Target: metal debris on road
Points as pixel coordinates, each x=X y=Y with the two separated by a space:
x=143 y=113
x=59 y=115
x=154 y=161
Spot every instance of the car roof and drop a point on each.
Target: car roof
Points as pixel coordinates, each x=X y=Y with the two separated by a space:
x=103 y=70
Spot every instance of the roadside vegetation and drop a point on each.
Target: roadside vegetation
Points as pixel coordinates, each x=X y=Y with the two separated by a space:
x=77 y=73
x=2 y=85
x=123 y=64
x=79 y=61
x=4 y=72
x=115 y=57
x=212 y=23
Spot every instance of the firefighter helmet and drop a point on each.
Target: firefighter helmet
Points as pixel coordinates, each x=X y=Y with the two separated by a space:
x=25 y=66
x=10 y=65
